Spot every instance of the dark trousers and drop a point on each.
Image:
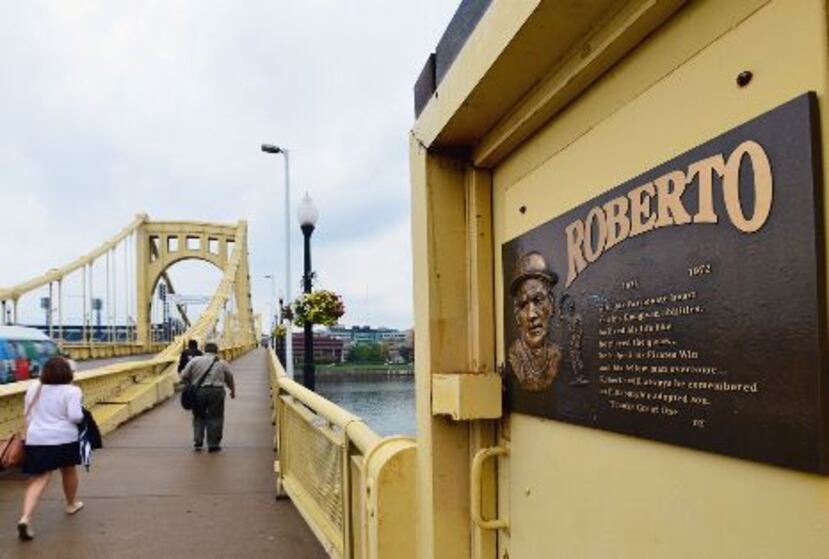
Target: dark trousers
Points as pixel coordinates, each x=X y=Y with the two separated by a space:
x=209 y=415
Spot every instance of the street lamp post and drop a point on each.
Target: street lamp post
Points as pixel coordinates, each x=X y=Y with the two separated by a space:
x=307 y=214
x=46 y=305
x=272 y=336
x=97 y=306
x=289 y=357
x=280 y=345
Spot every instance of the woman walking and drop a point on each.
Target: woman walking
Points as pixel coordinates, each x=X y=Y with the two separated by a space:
x=53 y=412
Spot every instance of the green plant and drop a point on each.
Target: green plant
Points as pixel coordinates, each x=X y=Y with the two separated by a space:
x=319 y=307
x=368 y=353
x=280 y=330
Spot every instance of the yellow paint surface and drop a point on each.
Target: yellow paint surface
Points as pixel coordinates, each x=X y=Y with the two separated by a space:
x=576 y=492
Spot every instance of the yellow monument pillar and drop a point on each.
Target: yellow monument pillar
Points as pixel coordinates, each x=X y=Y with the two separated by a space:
x=532 y=112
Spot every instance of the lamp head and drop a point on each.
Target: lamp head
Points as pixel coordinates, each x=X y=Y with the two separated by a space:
x=307 y=212
x=270 y=148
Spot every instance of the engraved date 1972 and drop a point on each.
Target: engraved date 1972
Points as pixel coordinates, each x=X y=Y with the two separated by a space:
x=700 y=270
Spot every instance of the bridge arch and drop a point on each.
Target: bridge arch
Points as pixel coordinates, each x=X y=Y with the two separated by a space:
x=158 y=275
x=202 y=278
x=161 y=244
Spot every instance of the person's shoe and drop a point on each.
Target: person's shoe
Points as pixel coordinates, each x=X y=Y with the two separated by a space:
x=25 y=532
x=74 y=507
x=197 y=447
x=214 y=449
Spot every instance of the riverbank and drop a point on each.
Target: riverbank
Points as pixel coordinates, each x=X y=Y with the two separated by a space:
x=364 y=369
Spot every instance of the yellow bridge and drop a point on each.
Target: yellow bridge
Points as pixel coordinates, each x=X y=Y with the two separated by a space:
x=542 y=126
x=345 y=481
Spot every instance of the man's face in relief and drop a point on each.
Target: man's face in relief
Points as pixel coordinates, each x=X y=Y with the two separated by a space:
x=533 y=311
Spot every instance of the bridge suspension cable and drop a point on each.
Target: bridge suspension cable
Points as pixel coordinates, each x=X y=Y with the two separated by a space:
x=148 y=249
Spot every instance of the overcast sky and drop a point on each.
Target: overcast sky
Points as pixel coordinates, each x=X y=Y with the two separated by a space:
x=109 y=109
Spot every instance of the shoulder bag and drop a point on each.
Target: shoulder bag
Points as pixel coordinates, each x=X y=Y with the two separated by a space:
x=188 y=395
x=12 y=449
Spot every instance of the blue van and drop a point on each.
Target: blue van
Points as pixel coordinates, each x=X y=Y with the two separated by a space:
x=23 y=352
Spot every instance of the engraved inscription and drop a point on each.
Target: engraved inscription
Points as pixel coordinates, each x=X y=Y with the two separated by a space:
x=645 y=368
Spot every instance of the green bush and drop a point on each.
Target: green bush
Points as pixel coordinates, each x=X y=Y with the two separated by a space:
x=368 y=353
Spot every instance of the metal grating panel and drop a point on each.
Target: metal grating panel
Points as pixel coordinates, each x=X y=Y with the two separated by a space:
x=315 y=463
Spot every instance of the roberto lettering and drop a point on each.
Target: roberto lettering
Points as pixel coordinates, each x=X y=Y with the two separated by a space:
x=659 y=204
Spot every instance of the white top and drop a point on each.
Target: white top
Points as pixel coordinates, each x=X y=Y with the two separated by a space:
x=22 y=333
x=55 y=416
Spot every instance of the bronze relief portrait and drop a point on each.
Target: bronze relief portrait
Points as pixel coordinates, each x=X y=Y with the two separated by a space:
x=533 y=356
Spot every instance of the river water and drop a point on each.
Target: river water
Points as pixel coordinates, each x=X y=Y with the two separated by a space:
x=386 y=403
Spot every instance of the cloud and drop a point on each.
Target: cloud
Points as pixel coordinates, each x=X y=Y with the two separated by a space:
x=369 y=274
x=111 y=109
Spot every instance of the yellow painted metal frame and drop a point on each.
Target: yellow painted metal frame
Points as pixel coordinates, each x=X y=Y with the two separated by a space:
x=85 y=351
x=153 y=261
x=475 y=490
x=375 y=484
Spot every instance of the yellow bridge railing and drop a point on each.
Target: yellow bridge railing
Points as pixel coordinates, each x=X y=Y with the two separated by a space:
x=355 y=489
x=80 y=351
x=114 y=393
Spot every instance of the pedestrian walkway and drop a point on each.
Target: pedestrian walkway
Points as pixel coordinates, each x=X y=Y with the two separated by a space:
x=150 y=495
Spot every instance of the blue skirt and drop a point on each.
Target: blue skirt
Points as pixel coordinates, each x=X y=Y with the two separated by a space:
x=39 y=459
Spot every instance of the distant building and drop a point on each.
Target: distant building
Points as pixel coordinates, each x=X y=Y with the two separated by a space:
x=327 y=349
x=399 y=343
x=368 y=335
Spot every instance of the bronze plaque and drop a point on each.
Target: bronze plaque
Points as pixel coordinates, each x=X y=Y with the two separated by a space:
x=687 y=304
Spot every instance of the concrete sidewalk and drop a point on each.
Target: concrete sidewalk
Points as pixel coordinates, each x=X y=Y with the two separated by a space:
x=150 y=495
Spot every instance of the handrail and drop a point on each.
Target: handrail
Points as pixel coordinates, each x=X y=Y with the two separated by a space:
x=355 y=489
x=106 y=370
x=475 y=489
x=358 y=432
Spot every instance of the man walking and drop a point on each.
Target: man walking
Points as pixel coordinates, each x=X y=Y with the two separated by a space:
x=190 y=352
x=210 y=375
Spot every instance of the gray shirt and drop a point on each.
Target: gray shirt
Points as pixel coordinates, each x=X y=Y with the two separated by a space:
x=219 y=375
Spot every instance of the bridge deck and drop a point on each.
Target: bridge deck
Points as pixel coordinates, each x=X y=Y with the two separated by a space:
x=150 y=495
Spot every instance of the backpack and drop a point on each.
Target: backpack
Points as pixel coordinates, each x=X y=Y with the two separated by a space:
x=188 y=395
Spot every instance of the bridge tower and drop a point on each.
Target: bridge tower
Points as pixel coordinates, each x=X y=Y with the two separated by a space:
x=161 y=244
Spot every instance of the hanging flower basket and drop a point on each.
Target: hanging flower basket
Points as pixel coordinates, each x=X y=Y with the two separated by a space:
x=320 y=307
x=280 y=331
